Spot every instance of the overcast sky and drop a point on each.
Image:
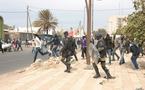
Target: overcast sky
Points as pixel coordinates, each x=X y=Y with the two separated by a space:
x=68 y=12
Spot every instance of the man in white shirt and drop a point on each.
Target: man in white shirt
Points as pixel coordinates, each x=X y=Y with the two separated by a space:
x=38 y=46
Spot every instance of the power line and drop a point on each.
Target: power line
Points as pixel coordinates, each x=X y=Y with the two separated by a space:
x=12 y=11
x=113 y=9
x=98 y=10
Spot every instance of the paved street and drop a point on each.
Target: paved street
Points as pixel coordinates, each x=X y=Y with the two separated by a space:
x=54 y=78
x=11 y=61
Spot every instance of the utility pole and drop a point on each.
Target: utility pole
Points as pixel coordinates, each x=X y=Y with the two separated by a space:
x=89 y=26
x=92 y=16
x=30 y=25
x=27 y=21
x=84 y=20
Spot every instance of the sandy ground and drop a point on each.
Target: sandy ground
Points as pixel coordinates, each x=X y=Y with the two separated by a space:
x=50 y=75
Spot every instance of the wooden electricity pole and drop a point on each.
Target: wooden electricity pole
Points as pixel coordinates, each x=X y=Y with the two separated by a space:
x=89 y=26
x=27 y=21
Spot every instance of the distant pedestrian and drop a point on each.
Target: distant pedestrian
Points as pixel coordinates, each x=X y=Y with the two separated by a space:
x=1 y=46
x=122 y=50
x=19 y=44
x=55 y=43
x=109 y=46
x=127 y=47
x=14 y=44
x=84 y=47
x=135 y=53
x=26 y=43
x=115 y=47
x=78 y=43
x=33 y=46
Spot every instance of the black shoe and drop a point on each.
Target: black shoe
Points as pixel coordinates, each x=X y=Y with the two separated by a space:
x=65 y=70
x=96 y=76
x=136 y=68
x=68 y=71
x=109 y=77
x=121 y=63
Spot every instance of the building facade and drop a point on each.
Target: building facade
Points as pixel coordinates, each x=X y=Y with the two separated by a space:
x=115 y=22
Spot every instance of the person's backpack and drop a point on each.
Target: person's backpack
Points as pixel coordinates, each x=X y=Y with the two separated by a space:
x=135 y=50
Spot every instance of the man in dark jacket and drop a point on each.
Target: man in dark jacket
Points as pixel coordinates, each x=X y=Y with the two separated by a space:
x=101 y=47
x=109 y=46
x=84 y=47
x=73 y=47
x=55 y=44
x=19 y=44
x=67 y=52
x=135 y=53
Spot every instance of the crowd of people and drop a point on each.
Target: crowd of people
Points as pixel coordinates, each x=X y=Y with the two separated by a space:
x=11 y=45
x=100 y=47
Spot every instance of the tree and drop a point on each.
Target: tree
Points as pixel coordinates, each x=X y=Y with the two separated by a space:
x=102 y=31
x=139 y=5
x=46 y=21
x=135 y=27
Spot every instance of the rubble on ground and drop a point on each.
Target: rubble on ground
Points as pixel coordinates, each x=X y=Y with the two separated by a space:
x=42 y=65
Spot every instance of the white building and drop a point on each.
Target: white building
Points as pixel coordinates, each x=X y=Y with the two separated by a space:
x=114 y=22
x=23 y=33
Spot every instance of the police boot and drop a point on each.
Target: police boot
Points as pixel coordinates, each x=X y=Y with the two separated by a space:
x=108 y=75
x=68 y=68
x=96 y=70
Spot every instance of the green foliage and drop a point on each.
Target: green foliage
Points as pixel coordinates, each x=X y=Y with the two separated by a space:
x=45 y=21
x=101 y=31
x=1 y=28
x=135 y=27
x=136 y=4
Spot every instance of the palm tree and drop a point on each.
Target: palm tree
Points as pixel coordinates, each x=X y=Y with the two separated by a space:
x=45 y=21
